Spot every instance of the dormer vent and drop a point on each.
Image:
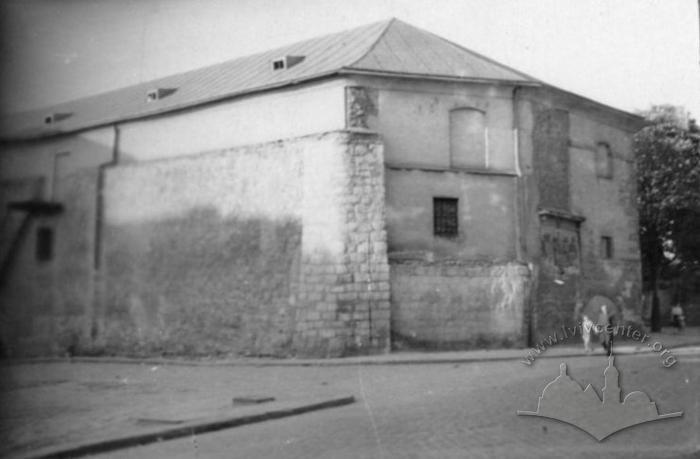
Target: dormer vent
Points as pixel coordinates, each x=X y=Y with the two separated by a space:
x=286 y=62
x=159 y=93
x=56 y=117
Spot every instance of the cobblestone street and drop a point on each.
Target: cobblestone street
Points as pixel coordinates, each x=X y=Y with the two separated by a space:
x=412 y=410
x=463 y=411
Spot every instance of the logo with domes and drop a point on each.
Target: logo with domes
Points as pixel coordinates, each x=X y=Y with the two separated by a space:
x=564 y=400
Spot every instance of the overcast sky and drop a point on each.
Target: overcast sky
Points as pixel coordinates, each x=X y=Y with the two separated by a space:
x=625 y=53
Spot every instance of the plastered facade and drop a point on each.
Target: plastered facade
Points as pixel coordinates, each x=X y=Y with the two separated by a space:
x=208 y=231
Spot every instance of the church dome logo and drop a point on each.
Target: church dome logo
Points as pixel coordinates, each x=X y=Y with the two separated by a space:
x=563 y=399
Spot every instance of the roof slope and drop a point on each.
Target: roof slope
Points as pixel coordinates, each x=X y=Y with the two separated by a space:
x=406 y=49
x=385 y=47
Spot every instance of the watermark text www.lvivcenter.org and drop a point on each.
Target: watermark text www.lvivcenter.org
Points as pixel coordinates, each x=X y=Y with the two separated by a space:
x=558 y=336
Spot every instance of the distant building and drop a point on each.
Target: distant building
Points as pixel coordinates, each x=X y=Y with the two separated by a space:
x=372 y=188
x=675 y=114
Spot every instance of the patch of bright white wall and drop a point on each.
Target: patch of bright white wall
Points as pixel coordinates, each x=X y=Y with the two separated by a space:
x=298 y=179
x=259 y=118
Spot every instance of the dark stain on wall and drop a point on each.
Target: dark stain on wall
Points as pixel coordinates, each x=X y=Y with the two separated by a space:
x=550 y=139
x=200 y=284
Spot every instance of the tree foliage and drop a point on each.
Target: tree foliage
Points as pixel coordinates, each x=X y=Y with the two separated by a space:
x=668 y=173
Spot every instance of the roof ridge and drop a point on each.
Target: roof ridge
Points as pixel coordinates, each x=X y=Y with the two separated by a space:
x=376 y=42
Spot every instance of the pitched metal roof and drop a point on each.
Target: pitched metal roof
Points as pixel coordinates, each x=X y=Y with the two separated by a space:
x=406 y=49
x=392 y=47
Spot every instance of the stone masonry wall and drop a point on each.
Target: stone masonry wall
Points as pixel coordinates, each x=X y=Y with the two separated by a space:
x=346 y=289
x=451 y=305
x=269 y=249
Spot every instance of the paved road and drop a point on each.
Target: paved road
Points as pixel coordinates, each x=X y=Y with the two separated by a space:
x=466 y=410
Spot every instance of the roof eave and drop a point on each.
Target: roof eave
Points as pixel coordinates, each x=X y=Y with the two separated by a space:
x=635 y=122
x=33 y=135
x=433 y=77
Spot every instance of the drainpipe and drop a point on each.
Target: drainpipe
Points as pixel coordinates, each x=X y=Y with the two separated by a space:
x=520 y=208
x=99 y=208
x=99 y=231
x=518 y=173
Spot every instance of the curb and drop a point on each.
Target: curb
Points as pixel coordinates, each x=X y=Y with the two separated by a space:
x=395 y=359
x=183 y=430
x=622 y=350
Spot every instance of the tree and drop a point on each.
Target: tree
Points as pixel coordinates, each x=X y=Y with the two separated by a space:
x=668 y=174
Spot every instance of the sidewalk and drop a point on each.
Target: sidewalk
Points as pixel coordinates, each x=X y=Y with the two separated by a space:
x=53 y=404
x=669 y=338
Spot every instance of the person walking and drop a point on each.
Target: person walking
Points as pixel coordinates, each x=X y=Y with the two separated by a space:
x=605 y=322
x=677 y=317
x=586 y=327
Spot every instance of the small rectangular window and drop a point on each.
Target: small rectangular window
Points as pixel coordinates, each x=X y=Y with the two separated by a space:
x=445 y=217
x=44 y=244
x=606 y=247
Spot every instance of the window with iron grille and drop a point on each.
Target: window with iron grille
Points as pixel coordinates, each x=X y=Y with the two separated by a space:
x=445 y=217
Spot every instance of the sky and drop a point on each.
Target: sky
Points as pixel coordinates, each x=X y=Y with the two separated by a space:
x=629 y=54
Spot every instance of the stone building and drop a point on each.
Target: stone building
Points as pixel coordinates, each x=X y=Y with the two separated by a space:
x=379 y=187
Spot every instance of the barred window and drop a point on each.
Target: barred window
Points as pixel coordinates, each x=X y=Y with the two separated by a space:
x=445 y=217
